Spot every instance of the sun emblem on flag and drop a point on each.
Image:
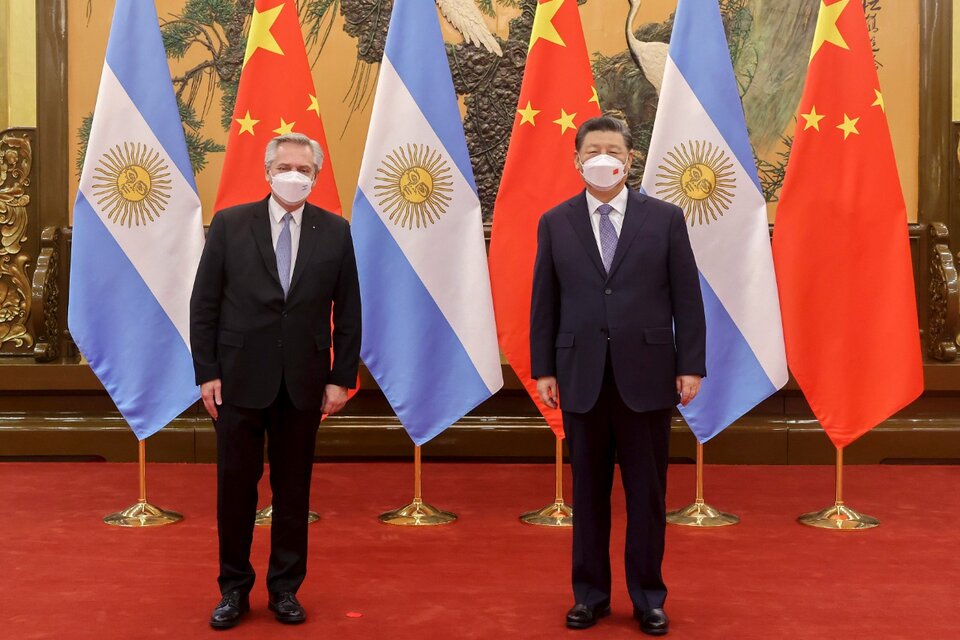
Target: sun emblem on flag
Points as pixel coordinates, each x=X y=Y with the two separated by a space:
x=698 y=177
x=414 y=186
x=132 y=184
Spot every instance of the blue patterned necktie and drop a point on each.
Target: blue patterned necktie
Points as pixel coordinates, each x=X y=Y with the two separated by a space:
x=608 y=236
x=283 y=253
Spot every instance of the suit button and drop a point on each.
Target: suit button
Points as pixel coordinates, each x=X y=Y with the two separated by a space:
x=280 y=343
x=608 y=291
x=284 y=314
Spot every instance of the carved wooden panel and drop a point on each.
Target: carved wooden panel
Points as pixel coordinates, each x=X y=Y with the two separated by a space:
x=16 y=164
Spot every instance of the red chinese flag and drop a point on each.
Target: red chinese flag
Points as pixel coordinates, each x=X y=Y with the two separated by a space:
x=840 y=241
x=557 y=94
x=275 y=96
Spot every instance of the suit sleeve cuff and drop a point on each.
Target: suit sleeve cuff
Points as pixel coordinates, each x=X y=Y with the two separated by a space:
x=206 y=372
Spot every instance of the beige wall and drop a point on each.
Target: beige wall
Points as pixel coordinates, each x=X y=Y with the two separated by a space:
x=18 y=64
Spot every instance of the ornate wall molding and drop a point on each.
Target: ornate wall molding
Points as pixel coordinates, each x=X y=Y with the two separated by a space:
x=16 y=163
x=46 y=297
x=944 y=289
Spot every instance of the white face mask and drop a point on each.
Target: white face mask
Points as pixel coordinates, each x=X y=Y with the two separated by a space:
x=291 y=186
x=603 y=171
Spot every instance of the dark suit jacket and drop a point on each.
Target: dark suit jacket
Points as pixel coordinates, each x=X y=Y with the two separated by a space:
x=648 y=310
x=244 y=332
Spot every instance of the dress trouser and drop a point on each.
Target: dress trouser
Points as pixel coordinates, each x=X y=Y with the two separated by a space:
x=291 y=437
x=611 y=432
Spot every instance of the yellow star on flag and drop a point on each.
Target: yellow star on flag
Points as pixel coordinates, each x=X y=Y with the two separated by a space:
x=543 y=28
x=827 y=30
x=284 y=128
x=314 y=105
x=260 y=36
x=879 y=101
x=595 y=97
x=849 y=126
x=565 y=121
x=813 y=118
x=527 y=114
x=246 y=124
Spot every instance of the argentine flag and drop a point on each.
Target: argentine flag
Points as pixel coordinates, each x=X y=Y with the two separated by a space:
x=700 y=159
x=429 y=337
x=137 y=232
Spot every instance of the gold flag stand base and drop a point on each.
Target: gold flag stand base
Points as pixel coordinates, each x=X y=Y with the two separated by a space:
x=700 y=514
x=264 y=517
x=142 y=514
x=418 y=513
x=559 y=513
x=839 y=516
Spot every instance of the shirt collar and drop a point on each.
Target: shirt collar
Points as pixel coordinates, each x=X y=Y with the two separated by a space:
x=619 y=202
x=277 y=212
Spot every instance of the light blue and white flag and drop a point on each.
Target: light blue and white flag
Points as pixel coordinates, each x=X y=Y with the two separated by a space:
x=700 y=158
x=137 y=232
x=429 y=337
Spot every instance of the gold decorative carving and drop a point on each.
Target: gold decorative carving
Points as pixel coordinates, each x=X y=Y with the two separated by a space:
x=46 y=297
x=16 y=160
x=944 y=296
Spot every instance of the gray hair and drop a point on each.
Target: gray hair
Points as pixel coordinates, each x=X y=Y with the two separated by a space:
x=293 y=138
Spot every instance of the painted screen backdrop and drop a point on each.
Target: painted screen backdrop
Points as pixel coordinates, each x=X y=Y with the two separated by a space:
x=625 y=69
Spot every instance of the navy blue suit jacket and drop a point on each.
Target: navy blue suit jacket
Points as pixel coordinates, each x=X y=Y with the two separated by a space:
x=648 y=311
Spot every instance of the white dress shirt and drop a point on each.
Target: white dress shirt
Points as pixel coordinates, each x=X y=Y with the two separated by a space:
x=276 y=225
x=619 y=204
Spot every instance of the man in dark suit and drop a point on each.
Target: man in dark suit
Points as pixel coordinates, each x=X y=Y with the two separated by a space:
x=260 y=316
x=617 y=337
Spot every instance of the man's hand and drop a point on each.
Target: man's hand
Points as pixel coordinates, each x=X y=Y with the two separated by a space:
x=687 y=388
x=547 y=388
x=210 y=392
x=334 y=397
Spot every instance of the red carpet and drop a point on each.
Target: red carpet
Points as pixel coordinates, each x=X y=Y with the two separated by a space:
x=67 y=576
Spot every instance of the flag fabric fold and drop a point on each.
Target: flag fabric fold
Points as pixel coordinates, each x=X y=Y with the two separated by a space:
x=557 y=95
x=429 y=336
x=700 y=159
x=275 y=95
x=841 y=243
x=137 y=232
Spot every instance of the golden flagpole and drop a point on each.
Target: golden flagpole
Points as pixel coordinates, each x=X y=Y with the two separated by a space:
x=418 y=513
x=839 y=516
x=142 y=514
x=701 y=514
x=558 y=513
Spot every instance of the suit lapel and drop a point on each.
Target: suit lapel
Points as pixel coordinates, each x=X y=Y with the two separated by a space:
x=308 y=240
x=261 y=233
x=633 y=221
x=579 y=218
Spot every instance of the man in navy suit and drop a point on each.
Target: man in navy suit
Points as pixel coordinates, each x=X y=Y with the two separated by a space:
x=617 y=338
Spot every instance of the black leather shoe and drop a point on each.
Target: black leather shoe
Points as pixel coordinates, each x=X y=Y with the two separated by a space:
x=228 y=612
x=653 y=622
x=287 y=608
x=583 y=617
